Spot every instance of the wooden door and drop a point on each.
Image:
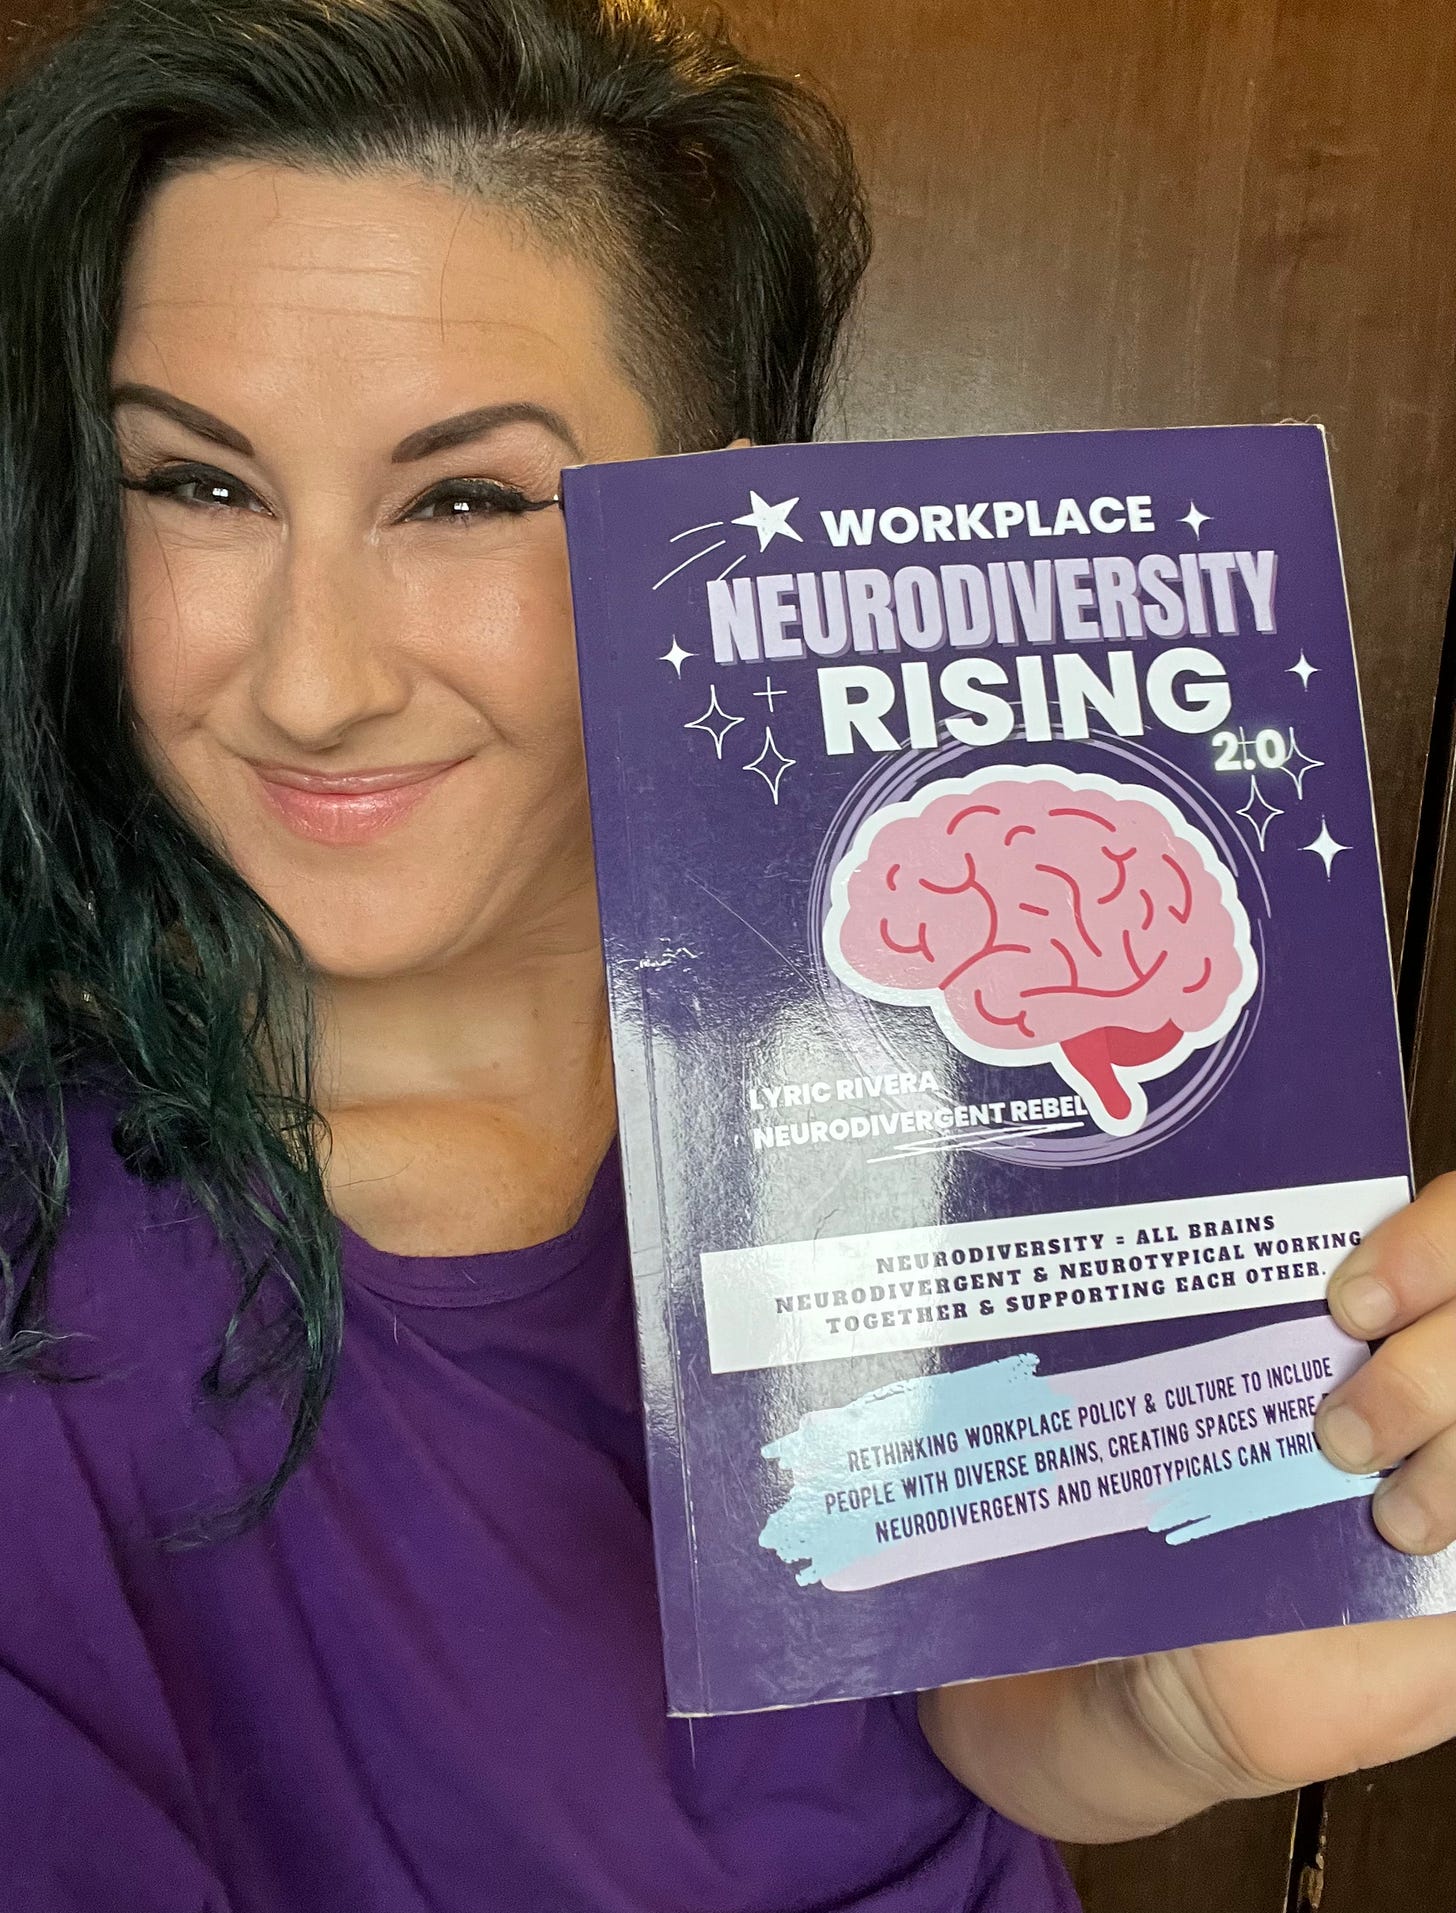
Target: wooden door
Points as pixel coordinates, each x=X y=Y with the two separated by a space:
x=1206 y=211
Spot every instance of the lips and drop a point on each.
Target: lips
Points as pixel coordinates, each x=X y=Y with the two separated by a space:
x=348 y=807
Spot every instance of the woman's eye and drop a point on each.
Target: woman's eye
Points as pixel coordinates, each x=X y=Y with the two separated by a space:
x=220 y=492
x=467 y=498
x=198 y=486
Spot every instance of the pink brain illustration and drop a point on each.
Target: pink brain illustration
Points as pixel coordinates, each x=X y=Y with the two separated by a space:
x=1048 y=917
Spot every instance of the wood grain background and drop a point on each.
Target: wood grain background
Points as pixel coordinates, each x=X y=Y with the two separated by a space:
x=1180 y=212
x=1208 y=211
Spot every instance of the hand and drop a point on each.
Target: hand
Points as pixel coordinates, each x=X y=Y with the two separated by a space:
x=1301 y=1707
x=1123 y=1748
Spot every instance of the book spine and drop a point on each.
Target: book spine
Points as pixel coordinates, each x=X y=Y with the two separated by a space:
x=1328 y=477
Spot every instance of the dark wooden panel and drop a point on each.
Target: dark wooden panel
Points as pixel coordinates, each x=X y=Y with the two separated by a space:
x=30 y=24
x=1209 y=211
x=1390 y=1841
x=1431 y=972
x=1233 y=1860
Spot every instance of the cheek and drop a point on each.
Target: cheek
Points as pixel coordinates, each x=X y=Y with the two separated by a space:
x=500 y=638
x=189 y=617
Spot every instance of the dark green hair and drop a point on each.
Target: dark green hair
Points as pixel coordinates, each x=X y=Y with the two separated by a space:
x=723 y=207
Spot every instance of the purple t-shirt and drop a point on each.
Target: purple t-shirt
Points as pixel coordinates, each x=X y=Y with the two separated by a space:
x=431 y=1681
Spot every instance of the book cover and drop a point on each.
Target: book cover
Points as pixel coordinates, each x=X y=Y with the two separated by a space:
x=1005 y=1045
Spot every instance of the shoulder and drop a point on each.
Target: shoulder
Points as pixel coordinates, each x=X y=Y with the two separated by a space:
x=134 y=1259
x=138 y=1296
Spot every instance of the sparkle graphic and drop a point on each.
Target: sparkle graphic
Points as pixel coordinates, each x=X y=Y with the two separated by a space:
x=1299 y=764
x=770 y=754
x=1304 y=670
x=675 y=656
x=716 y=731
x=768 y=694
x=1325 y=847
x=769 y=521
x=1259 y=813
x=1195 y=519
x=712 y=525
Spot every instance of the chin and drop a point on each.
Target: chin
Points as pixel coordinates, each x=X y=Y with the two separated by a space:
x=417 y=908
x=352 y=961
x=371 y=932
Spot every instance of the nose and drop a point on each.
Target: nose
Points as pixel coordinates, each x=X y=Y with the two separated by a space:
x=327 y=660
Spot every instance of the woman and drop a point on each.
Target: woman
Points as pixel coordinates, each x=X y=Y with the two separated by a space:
x=328 y=1580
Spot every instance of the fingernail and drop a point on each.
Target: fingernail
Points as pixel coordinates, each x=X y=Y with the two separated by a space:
x=1367 y=1305
x=1401 y=1518
x=1345 y=1437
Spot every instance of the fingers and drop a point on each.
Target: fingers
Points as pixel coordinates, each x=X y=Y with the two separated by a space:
x=1402 y=1270
x=1415 y=1508
x=1399 y=1410
x=1398 y=1400
x=1402 y=1403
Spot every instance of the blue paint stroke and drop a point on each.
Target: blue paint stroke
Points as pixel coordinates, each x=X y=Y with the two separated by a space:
x=1212 y=1504
x=816 y=1527
x=928 y=1409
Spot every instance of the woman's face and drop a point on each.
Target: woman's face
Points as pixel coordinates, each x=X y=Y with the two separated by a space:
x=349 y=662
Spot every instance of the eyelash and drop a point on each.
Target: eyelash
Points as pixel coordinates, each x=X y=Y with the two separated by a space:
x=169 y=481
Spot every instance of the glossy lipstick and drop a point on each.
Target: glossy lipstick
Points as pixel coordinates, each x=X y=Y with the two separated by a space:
x=348 y=807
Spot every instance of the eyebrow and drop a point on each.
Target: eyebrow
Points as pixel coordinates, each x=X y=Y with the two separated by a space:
x=442 y=436
x=205 y=424
x=466 y=426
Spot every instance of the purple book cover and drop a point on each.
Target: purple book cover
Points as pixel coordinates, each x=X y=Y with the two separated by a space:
x=1005 y=1045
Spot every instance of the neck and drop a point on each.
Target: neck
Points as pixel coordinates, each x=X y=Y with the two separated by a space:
x=499 y=1024
x=471 y=1104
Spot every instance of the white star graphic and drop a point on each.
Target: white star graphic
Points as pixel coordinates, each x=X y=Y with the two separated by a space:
x=1304 y=670
x=1195 y=519
x=769 y=521
x=1259 y=812
x=1303 y=764
x=675 y=656
x=1325 y=847
x=716 y=731
x=773 y=755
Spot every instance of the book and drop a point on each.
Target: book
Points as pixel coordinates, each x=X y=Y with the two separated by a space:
x=1005 y=1045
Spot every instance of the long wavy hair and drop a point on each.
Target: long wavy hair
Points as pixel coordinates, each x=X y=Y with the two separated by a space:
x=723 y=205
